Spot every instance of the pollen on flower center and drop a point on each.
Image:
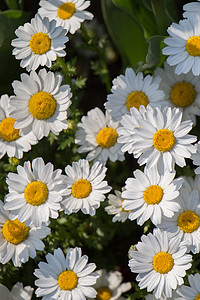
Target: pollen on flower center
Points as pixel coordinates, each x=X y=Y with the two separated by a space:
x=81 y=188
x=153 y=194
x=135 y=99
x=36 y=193
x=66 y=10
x=164 y=140
x=107 y=137
x=103 y=293
x=188 y=221
x=197 y=297
x=183 y=94
x=40 y=43
x=42 y=105
x=7 y=131
x=15 y=232
x=67 y=280
x=163 y=262
x=193 y=46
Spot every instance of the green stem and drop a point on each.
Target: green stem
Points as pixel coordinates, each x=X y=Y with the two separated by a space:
x=64 y=70
x=12 y=4
x=160 y=16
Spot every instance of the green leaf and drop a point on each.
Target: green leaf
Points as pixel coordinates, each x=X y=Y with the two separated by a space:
x=12 y=4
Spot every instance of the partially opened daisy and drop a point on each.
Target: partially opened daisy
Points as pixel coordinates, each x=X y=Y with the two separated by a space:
x=35 y=194
x=182 y=91
x=18 y=241
x=191 y=292
x=18 y=292
x=161 y=263
x=11 y=141
x=68 y=13
x=151 y=195
x=196 y=158
x=41 y=103
x=97 y=134
x=39 y=43
x=184 y=45
x=69 y=277
x=191 y=8
x=85 y=187
x=132 y=90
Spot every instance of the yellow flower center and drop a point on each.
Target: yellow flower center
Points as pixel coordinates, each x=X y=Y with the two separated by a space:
x=7 y=131
x=188 y=221
x=106 y=137
x=164 y=140
x=153 y=194
x=163 y=262
x=15 y=232
x=42 y=105
x=123 y=208
x=67 y=280
x=135 y=99
x=193 y=46
x=183 y=94
x=40 y=43
x=81 y=189
x=197 y=297
x=66 y=10
x=36 y=193
x=103 y=293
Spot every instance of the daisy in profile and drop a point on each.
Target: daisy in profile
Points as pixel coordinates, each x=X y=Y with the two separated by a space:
x=191 y=8
x=69 y=277
x=68 y=13
x=161 y=263
x=16 y=293
x=196 y=158
x=132 y=90
x=183 y=48
x=182 y=91
x=115 y=207
x=161 y=138
x=35 y=194
x=151 y=195
x=11 y=142
x=39 y=43
x=97 y=134
x=18 y=241
x=41 y=103
x=85 y=187
x=192 y=291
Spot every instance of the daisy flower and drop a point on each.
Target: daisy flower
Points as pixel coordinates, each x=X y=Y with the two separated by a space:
x=160 y=139
x=11 y=142
x=185 y=223
x=152 y=297
x=191 y=292
x=39 y=43
x=184 y=45
x=35 y=194
x=182 y=91
x=18 y=241
x=196 y=158
x=17 y=292
x=41 y=103
x=151 y=195
x=161 y=263
x=109 y=285
x=191 y=8
x=67 y=277
x=85 y=187
x=68 y=13
x=191 y=183
x=132 y=90
x=97 y=133
x=115 y=208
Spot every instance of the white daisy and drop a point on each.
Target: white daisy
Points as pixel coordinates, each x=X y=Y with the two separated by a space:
x=41 y=103
x=67 y=277
x=85 y=187
x=182 y=91
x=11 y=142
x=109 y=285
x=132 y=90
x=185 y=223
x=191 y=183
x=35 y=194
x=152 y=297
x=97 y=133
x=191 y=292
x=18 y=241
x=17 y=292
x=160 y=139
x=68 y=13
x=196 y=158
x=161 y=263
x=191 y=8
x=39 y=43
x=184 y=45
x=151 y=195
